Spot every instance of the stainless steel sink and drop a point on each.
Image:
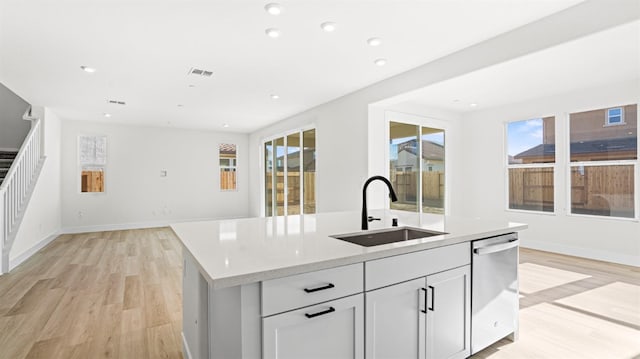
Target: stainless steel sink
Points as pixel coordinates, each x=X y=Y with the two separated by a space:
x=377 y=238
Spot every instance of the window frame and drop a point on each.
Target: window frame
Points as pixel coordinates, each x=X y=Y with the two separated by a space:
x=420 y=121
x=263 y=193
x=569 y=165
x=81 y=166
x=608 y=117
x=507 y=166
x=232 y=167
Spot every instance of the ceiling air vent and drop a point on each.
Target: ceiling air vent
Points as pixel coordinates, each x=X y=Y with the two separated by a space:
x=116 y=102
x=200 y=72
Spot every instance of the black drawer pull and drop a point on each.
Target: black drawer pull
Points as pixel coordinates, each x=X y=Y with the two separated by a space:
x=433 y=298
x=328 y=286
x=330 y=310
x=425 y=301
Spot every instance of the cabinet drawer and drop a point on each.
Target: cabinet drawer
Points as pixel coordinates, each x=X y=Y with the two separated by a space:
x=386 y=271
x=282 y=294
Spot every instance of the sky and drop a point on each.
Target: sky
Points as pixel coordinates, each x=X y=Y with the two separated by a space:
x=523 y=135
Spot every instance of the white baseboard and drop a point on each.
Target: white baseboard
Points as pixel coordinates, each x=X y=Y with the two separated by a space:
x=139 y=225
x=185 y=347
x=619 y=258
x=31 y=251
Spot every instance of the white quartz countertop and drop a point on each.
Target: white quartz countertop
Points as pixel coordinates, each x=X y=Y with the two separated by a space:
x=241 y=251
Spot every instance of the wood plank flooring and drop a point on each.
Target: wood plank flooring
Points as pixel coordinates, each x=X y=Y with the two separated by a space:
x=96 y=295
x=118 y=295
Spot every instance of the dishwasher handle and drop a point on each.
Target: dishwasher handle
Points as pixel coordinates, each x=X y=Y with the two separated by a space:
x=496 y=247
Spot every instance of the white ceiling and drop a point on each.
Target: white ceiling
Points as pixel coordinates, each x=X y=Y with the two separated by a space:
x=143 y=49
x=607 y=57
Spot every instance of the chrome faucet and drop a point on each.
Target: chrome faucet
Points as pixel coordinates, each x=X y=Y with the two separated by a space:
x=392 y=194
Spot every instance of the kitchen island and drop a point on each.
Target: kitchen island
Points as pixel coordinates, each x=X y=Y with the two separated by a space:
x=283 y=287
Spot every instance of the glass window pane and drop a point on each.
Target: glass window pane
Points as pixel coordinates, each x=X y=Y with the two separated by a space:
x=309 y=168
x=92 y=179
x=592 y=140
x=279 y=170
x=268 y=178
x=531 y=189
x=531 y=141
x=293 y=173
x=603 y=190
x=404 y=165
x=432 y=170
x=227 y=154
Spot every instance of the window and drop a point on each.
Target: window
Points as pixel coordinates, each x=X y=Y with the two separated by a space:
x=615 y=116
x=228 y=162
x=92 y=159
x=416 y=167
x=603 y=161
x=531 y=157
x=290 y=173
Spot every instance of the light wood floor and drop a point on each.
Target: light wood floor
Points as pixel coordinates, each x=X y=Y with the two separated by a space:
x=118 y=295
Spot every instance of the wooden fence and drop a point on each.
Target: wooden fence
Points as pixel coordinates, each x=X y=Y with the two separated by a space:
x=594 y=189
x=227 y=180
x=293 y=191
x=405 y=185
x=92 y=181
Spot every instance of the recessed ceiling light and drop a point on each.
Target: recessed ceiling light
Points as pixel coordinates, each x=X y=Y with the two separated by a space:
x=107 y=115
x=88 y=69
x=273 y=8
x=272 y=32
x=226 y=125
x=380 y=62
x=473 y=104
x=192 y=85
x=374 y=41
x=275 y=97
x=328 y=26
x=456 y=100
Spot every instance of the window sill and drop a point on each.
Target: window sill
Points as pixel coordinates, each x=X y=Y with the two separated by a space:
x=524 y=211
x=614 y=124
x=589 y=216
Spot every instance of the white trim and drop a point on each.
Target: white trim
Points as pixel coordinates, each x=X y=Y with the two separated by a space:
x=420 y=121
x=139 y=225
x=13 y=263
x=507 y=166
x=185 y=346
x=601 y=255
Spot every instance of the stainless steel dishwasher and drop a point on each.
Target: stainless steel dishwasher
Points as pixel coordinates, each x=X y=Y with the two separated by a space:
x=494 y=290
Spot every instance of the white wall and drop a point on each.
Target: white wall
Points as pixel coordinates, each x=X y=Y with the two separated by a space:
x=484 y=189
x=42 y=219
x=13 y=128
x=135 y=194
x=342 y=124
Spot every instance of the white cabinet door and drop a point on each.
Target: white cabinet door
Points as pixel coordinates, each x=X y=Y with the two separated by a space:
x=395 y=323
x=333 y=329
x=448 y=314
x=194 y=310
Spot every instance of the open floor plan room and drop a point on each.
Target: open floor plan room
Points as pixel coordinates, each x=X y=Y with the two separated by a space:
x=118 y=295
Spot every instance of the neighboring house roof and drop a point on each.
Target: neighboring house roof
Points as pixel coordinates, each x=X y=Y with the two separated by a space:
x=430 y=150
x=228 y=149
x=583 y=147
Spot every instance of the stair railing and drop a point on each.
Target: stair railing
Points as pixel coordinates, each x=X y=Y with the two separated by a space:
x=19 y=182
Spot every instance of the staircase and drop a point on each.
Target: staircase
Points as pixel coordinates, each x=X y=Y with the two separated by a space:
x=18 y=175
x=6 y=159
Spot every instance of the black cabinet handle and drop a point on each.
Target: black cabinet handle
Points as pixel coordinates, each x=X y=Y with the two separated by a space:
x=311 y=290
x=433 y=298
x=330 y=310
x=425 y=301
